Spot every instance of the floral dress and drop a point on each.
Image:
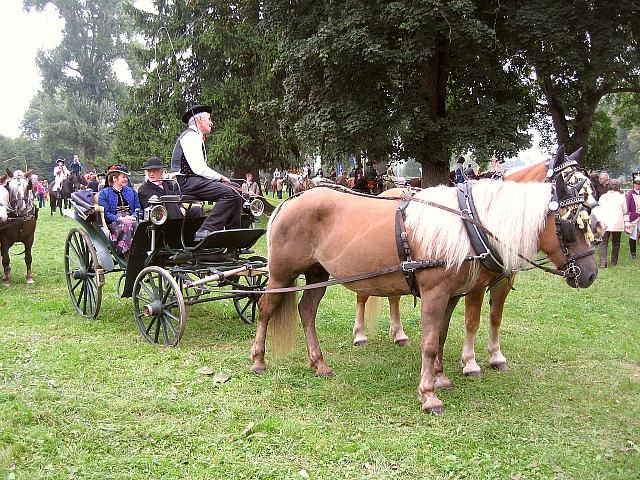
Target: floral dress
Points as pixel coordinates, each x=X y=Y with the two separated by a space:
x=122 y=230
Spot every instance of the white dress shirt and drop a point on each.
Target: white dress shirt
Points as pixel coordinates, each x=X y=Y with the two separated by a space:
x=194 y=151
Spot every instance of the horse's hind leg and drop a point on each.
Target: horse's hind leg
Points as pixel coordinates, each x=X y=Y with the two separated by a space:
x=472 y=310
x=27 y=260
x=359 y=334
x=308 y=308
x=498 y=298
x=395 y=328
x=281 y=307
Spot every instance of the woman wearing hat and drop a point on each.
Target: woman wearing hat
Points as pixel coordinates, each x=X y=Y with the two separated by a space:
x=632 y=220
x=120 y=203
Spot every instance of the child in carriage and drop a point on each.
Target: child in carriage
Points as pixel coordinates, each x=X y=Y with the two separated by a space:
x=120 y=203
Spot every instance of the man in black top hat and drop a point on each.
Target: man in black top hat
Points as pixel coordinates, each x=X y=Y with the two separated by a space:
x=195 y=177
x=156 y=186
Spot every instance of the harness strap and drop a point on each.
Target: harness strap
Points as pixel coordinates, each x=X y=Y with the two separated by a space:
x=489 y=258
x=404 y=251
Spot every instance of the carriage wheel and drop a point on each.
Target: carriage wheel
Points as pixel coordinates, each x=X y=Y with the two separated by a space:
x=158 y=306
x=84 y=276
x=246 y=304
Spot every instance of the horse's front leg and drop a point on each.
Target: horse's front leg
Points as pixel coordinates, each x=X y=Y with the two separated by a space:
x=395 y=327
x=359 y=334
x=433 y=319
x=6 y=267
x=308 y=309
x=472 y=310
x=498 y=298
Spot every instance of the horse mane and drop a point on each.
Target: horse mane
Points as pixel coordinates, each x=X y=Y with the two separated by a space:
x=514 y=212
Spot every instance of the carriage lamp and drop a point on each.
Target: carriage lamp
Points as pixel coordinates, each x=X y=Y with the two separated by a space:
x=256 y=206
x=158 y=214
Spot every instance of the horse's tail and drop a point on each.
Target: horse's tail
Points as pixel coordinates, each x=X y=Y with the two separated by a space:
x=283 y=323
x=372 y=310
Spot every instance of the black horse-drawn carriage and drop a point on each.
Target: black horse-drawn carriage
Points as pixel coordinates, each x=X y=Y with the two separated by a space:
x=165 y=269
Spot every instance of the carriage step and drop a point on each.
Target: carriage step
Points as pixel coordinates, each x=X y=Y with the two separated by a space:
x=238 y=239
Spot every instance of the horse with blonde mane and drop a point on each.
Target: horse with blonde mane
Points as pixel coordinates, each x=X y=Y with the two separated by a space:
x=368 y=308
x=309 y=235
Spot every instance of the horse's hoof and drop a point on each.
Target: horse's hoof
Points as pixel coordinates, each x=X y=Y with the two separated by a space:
x=324 y=372
x=258 y=369
x=403 y=342
x=473 y=373
x=30 y=281
x=502 y=366
x=359 y=342
x=433 y=406
x=443 y=383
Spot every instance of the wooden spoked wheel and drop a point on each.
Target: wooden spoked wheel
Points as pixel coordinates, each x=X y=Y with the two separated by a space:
x=158 y=306
x=247 y=304
x=84 y=276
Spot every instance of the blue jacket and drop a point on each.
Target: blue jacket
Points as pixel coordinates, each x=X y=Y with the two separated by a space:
x=109 y=200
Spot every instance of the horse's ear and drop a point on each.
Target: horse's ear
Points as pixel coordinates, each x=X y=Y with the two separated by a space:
x=577 y=155
x=559 y=156
x=29 y=173
x=9 y=172
x=3 y=179
x=561 y=187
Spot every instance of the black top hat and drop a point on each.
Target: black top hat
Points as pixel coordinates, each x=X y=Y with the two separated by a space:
x=194 y=110
x=636 y=177
x=117 y=168
x=153 y=163
x=60 y=160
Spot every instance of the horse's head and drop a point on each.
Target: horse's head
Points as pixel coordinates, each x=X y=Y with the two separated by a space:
x=4 y=201
x=18 y=186
x=567 y=237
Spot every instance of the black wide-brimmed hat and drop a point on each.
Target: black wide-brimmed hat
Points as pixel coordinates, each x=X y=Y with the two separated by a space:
x=194 y=110
x=153 y=163
x=60 y=160
x=117 y=168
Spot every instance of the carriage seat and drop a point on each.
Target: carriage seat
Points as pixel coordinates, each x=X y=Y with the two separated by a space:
x=85 y=205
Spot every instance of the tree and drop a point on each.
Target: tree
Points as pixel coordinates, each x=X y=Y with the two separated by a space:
x=217 y=53
x=579 y=52
x=81 y=91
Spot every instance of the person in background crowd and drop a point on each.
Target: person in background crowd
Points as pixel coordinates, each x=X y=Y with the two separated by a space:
x=266 y=186
x=195 y=177
x=470 y=173
x=76 y=166
x=342 y=179
x=603 y=185
x=613 y=207
x=333 y=175
x=60 y=172
x=632 y=219
x=249 y=186
x=92 y=184
x=320 y=173
x=279 y=184
x=496 y=168
x=45 y=184
x=38 y=188
x=458 y=173
x=120 y=204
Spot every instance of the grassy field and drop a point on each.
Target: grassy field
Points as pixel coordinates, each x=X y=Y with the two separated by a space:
x=92 y=399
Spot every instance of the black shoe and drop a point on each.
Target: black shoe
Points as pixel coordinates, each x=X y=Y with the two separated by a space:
x=633 y=256
x=202 y=234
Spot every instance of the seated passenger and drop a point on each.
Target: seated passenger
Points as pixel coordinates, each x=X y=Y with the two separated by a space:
x=155 y=171
x=120 y=203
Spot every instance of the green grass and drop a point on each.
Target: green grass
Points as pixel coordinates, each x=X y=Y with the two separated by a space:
x=92 y=399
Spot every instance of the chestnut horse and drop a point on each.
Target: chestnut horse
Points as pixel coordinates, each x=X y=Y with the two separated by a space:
x=20 y=225
x=309 y=235
x=473 y=299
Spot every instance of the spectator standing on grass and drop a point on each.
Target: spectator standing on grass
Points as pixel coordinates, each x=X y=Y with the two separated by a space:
x=279 y=183
x=632 y=219
x=613 y=207
x=602 y=186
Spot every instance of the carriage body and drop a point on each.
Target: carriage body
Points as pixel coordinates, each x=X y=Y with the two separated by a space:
x=163 y=264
